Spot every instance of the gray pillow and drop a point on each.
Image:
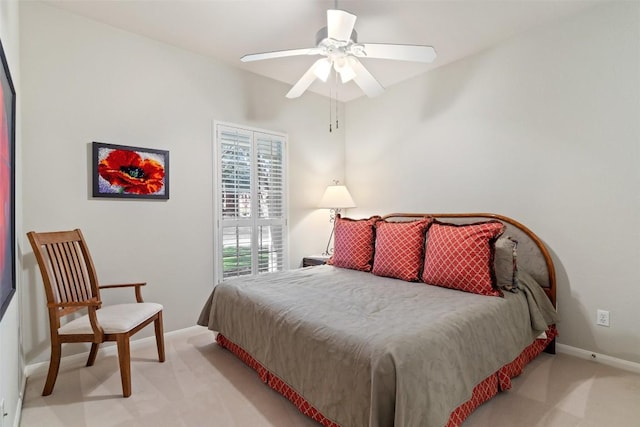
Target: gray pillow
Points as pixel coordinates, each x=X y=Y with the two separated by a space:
x=505 y=263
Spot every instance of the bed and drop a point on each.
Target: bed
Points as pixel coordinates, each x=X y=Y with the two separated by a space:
x=354 y=348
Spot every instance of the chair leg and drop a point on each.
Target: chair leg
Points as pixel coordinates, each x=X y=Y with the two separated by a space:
x=54 y=366
x=92 y=354
x=124 y=357
x=159 y=336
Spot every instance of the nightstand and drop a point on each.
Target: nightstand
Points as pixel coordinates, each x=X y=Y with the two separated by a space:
x=312 y=260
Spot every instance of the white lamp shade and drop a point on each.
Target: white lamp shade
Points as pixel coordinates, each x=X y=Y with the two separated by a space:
x=336 y=197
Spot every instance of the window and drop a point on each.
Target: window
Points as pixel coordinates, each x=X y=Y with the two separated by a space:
x=250 y=197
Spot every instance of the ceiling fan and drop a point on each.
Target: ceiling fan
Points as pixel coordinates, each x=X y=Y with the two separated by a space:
x=338 y=43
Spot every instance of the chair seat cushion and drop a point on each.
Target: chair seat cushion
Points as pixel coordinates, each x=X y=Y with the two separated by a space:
x=117 y=318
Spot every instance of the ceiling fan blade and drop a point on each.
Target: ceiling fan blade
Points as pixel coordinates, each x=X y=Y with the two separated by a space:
x=305 y=81
x=340 y=24
x=280 y=54
x=365 y=79
x=402 y=52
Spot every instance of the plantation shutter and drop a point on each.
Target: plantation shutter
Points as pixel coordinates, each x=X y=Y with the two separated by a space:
x=250 y=201
x=271 y=196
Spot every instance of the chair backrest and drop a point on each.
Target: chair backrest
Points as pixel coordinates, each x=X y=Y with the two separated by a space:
x=67 y=270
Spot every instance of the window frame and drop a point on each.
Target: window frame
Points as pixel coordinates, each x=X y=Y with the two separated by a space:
x=254 y=221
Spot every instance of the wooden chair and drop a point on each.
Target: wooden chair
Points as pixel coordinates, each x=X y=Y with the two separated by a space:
x=71 y=284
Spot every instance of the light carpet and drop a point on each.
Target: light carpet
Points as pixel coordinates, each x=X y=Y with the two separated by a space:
x=202 y=384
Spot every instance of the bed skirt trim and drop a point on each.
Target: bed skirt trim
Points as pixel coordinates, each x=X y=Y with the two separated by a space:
x=501 y=380
x=485 y=390
x=275 y=383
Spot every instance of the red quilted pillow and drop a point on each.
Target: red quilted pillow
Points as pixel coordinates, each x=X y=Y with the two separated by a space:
x=353 y=243
x=461 y=256
x=400 y=249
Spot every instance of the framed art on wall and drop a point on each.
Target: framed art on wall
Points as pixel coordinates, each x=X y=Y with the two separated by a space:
x=7 y=186
x=122 y=171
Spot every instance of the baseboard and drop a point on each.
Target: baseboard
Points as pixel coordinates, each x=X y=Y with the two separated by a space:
x=107 y=350
x=18 y=416
x=599 y=358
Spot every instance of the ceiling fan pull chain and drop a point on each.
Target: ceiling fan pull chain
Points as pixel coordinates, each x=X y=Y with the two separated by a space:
x=330 y=130
x=336 y=101
x=336 y=110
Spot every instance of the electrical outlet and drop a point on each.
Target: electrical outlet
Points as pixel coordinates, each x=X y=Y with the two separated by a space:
x=602 y=318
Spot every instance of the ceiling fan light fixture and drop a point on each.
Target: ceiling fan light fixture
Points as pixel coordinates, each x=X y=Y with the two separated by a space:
x=322 y=69
x=346 y=73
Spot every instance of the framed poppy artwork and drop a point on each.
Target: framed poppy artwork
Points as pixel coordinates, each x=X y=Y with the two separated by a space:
x=7 y=186
x=130 y=172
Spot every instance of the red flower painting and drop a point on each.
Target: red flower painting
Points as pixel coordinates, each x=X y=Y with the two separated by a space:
x=122 y=171
x=133 y=174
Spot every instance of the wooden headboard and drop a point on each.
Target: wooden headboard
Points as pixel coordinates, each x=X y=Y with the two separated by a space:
x=533 y=255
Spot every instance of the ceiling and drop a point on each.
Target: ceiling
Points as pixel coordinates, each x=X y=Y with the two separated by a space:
x=229 y=29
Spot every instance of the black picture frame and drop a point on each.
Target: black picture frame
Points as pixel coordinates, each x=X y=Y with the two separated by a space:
x=7 y=186
x=122 y=171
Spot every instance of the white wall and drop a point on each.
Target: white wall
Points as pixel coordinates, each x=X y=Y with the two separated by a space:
x=11 y=360
x=543 y=128
x=85 y=81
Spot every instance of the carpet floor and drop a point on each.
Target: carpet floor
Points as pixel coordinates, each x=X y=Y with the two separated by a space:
x=202 y=384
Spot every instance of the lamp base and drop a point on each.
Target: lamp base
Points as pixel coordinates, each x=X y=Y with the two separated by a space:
x=332 y=219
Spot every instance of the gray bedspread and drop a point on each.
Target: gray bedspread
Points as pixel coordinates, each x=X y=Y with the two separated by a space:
x=367 y=350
